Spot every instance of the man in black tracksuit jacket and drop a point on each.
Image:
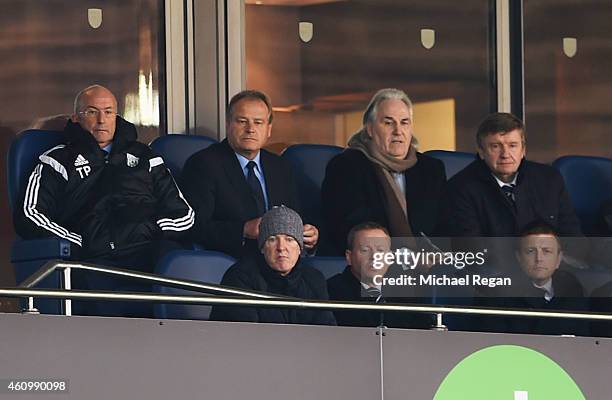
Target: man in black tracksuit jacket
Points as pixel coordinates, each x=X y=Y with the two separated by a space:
x=103 y=191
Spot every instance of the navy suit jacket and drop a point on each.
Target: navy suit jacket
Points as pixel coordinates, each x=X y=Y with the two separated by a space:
x=478 y=207
x=216 y=187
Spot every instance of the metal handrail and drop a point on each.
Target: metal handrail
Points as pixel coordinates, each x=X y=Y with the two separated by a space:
x=66 y=266
x=294 y=303
x=256 y=298
x=50 y=266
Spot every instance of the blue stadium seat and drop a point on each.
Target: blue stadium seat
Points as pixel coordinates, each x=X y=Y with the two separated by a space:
x=329 y=266
x=309 y=162
x=27 y=256
x=589 y=183
x=176 y=149
x=454 y=161
x=23 y=157
x=203 y=266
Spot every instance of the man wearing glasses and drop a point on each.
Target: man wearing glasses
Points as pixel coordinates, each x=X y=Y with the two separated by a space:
x=108 y=194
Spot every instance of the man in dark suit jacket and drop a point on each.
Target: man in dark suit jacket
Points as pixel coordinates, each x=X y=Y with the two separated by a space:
x=358 y=282
x=231 y=184
x=501 y=192
x=382 y=178
x=539 y=284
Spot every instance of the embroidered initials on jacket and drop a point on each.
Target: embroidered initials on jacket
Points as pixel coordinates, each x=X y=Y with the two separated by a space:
x=82 y=166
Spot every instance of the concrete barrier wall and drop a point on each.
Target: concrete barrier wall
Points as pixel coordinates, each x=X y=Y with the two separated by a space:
x=113 y=358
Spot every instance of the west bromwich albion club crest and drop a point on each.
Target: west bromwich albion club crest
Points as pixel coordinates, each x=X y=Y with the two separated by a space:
x=132 y=161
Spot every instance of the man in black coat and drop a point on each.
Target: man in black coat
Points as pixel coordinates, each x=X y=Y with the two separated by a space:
x=109 y=195
x=231 y=184
x=360 y=281
x=382 y=178
x=501 y=192
x=539 y=284
x=279 y=272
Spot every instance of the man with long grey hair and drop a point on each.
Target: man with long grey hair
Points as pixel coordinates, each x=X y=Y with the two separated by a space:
x=381 y=177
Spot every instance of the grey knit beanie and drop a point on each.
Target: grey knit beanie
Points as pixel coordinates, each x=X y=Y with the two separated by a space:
x=281 y=220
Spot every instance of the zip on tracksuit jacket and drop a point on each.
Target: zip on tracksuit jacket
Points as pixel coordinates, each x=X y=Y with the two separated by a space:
x=102 y=204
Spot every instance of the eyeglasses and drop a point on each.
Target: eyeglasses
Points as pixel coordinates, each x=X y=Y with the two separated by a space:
x=95 y=113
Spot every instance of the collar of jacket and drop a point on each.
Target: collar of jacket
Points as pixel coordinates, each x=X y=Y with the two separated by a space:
x=125 y=133
x=226 y=147
x=485 y=172
x=347 y=272
x=274 y=278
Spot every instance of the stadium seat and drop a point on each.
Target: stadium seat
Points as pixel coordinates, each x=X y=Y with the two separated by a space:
x=309 y=162
x=454 y=161
x=27 y=256
x=23 y=157
x=203 y=266
x=589 y=183
x=176 y=149
x=329 y=266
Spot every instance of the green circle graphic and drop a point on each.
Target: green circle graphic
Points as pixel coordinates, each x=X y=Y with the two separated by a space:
x=508 y=372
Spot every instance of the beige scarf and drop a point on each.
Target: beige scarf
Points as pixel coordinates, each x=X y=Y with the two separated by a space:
x=363 y=142
x=396 y=208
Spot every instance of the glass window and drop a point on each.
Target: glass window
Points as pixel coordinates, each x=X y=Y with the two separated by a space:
x=320 y=80
x=568 y=88
x=54 y=48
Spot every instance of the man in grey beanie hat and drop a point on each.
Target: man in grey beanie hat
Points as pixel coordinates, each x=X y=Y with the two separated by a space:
x=281 y=238
x=279 y=220
x=277 y=271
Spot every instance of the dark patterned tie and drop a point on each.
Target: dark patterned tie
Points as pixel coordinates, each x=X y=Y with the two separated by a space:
x=509 y=193
x=255 y=186
x=374 y=293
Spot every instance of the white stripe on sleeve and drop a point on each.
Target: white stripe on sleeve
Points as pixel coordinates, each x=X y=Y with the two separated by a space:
x=41 y=220
x=53 y=163
x=178 y=224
